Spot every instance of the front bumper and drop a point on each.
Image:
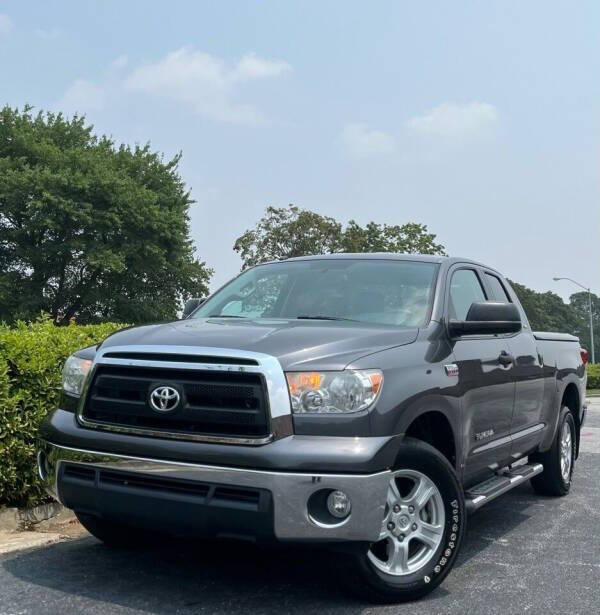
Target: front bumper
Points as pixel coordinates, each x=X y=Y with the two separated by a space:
x=156 y=492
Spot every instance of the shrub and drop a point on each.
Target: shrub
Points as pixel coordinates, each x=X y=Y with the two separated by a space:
x=31 y=359
x=593 y=372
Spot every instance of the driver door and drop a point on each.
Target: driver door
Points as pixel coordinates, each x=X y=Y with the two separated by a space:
x=485 y=382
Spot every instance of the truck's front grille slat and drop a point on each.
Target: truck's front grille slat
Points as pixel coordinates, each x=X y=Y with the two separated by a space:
x=230 y=404
x=193 y=491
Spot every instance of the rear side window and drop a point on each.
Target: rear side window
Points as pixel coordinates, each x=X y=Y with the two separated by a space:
x=498 y=290
x=465 y=289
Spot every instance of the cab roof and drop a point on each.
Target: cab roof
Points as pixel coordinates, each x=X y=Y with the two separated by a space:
x=426 y=258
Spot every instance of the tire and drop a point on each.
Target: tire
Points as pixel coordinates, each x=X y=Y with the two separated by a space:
x=115 y=534
x=371 y=571
x=559 y=460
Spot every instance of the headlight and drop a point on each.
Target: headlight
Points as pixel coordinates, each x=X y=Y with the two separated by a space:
x=334 y=392
x=74 y=373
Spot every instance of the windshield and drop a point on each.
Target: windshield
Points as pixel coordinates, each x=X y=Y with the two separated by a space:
x=391 y=292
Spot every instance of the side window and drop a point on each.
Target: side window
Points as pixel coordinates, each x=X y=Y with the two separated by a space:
x=465 y=289
x=498 y=290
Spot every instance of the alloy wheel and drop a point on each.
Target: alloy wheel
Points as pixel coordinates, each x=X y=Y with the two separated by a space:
x=566 y=451
x=413 y=524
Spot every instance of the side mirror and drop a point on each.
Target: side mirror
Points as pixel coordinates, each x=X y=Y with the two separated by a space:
x=190 y=305
x=487 y=318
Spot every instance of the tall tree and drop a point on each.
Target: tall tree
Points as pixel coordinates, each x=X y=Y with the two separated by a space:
x=287 y=232
x=88 y=229
x=410 y=238
x=546 y=311
x=579 y=303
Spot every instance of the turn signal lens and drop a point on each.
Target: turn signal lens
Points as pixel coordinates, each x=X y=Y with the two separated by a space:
x=301 y=381
x=376 y=379
x=334 y=392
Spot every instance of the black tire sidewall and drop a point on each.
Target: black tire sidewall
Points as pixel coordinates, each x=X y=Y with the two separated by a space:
x=565 y=416
x=419 y=456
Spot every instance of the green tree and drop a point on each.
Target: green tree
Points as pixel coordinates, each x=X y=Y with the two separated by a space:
x=409 y=238
x=88 y=229
x=546 y=311
x=287 y=232
x=579 y=303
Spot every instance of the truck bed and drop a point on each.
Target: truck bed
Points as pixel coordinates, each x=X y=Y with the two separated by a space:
x=550 y=336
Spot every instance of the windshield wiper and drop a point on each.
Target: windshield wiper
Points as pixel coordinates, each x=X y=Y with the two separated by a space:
x=225 y=316
x=323 y=317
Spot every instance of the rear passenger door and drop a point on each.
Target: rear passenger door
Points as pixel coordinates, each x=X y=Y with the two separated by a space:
x=527 y=419
x=486 y=386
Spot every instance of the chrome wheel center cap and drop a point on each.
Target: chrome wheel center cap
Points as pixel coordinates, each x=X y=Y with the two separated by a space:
x=403 y=523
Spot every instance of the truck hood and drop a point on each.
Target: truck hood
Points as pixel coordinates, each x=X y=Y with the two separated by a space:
x=298 y=344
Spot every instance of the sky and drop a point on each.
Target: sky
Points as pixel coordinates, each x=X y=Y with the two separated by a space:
x=479 y=119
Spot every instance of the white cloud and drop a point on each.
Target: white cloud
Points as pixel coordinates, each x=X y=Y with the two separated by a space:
x=6 y=24
x=455 y=120
x=82 y=96
x=253 y=67
x=360 y=141
x=119 y=63
x=205 y=82
x=49 y=34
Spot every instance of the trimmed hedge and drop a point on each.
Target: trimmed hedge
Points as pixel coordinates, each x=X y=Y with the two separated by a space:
x=593 y=372
x=31 y=360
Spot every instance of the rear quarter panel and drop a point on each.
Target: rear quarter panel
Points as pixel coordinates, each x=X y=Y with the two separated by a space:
x=562 y=366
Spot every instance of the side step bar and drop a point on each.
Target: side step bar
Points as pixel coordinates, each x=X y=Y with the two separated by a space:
x=503 y=481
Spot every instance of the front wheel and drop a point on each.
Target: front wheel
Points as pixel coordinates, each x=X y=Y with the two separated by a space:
x=422 y=529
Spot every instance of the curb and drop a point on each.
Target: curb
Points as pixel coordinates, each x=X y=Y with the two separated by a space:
x=19 y=519
x=12 y=543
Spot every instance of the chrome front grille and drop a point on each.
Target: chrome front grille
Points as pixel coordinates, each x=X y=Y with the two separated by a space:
x=213 y=403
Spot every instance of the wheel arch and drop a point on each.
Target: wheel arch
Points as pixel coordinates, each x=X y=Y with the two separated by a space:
x=568 y=395
x=435 y=428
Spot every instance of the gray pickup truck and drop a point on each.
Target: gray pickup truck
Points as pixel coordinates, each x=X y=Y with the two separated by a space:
x=365 y=402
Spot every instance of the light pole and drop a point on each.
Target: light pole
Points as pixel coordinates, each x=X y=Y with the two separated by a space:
x=591 y=313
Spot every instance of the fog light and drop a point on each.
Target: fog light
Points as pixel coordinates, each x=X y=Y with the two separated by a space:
x=338 y=504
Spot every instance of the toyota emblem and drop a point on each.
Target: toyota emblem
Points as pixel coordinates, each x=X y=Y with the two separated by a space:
x=164 y=398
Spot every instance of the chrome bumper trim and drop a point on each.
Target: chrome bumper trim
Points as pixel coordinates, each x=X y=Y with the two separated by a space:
x=290 y=490
x=267 y=365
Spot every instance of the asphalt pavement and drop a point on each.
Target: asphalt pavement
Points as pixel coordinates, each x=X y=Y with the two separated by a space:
x=523 y=554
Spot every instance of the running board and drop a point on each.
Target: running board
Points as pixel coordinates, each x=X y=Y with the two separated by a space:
x=503 y=481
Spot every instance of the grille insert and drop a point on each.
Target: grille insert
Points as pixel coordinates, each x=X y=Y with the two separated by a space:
x=198 y=492
x=228 y=404
x=80 y=473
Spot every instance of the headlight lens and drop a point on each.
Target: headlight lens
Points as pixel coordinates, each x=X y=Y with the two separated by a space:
x=334 y=392
x=74 y=373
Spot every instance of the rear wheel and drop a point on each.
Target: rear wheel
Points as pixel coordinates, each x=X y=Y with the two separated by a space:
x=558 y=462
x=421 y=532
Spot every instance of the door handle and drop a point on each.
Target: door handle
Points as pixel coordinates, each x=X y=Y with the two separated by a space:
x=505 y=359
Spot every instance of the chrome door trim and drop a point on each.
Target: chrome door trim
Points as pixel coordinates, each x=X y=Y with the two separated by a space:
x=510 y=438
